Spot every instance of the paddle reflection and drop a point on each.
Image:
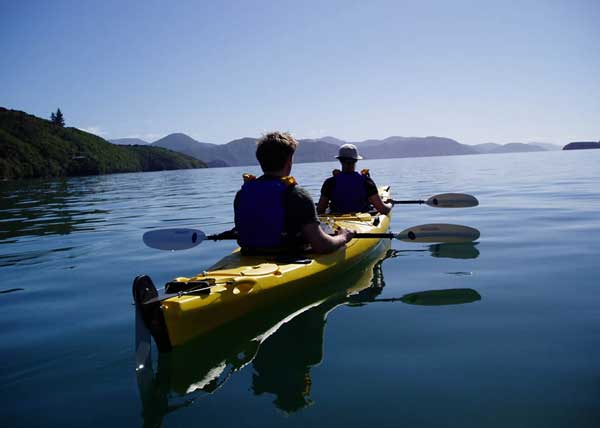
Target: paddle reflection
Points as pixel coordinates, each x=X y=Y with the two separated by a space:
x=450 y=251
x=455 y=251
x=281 y=343
x=454 y=296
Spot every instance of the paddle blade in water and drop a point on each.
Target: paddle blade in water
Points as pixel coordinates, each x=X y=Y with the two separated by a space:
x=452 y=200
x=440 y=233
x=173 y=239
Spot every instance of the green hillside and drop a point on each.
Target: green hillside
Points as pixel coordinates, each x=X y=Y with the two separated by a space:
x=31 y=147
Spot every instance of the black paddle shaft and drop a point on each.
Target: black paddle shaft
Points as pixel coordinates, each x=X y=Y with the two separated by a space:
x=393 y=202
x=375 y=235
x=232 y=235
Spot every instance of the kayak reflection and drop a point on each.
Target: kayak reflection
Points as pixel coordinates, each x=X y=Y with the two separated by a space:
x=282 y=367
x=282 y=343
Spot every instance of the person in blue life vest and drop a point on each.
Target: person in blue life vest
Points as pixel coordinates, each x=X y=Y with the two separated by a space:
x=273 y=213
x=349 y=191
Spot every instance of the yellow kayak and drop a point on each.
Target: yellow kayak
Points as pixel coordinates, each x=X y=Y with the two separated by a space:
x=238 y=284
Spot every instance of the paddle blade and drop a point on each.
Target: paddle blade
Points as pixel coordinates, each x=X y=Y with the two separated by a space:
x=173 y=239
x=438 y=233
x=452 y=200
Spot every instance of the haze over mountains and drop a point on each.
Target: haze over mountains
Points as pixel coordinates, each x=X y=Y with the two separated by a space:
x=508 y=148
x=242 y=151
x=129 y=141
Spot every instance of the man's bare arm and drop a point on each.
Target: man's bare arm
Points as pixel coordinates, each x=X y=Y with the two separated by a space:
x=379 y=205
x=323 y=243
x=322 y=205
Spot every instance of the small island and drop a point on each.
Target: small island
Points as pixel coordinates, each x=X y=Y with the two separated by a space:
x=31 y=147
x=582 y=145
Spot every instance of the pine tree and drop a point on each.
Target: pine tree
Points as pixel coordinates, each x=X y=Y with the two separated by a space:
x=57 y=118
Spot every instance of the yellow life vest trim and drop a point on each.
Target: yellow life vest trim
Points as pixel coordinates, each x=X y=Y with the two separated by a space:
x=288 y=180
x=248 y=177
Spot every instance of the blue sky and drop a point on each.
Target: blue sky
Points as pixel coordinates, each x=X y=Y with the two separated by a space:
x=475 y=71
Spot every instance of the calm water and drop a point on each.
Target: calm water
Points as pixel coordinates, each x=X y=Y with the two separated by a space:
x=525 y=354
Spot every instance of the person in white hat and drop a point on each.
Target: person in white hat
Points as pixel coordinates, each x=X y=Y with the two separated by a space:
x=349 y=191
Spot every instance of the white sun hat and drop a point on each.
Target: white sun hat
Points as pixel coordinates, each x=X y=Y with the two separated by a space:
x=348 y=151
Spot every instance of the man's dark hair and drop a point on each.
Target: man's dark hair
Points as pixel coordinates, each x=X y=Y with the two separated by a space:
x=274 y=149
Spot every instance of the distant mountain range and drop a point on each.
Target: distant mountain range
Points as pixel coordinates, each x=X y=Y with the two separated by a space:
x=242 y=151
x=547 y=146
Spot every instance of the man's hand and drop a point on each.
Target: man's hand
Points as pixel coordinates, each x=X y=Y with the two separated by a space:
x=324 y=243
x=347 y=234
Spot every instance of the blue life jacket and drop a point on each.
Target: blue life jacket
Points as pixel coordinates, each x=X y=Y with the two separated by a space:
x=349 y=193
x=260 y=213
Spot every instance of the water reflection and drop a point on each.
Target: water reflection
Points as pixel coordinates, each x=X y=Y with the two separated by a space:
x=282 y=343
x=282 y=367
x=48 y=220
x=453 y=296
x=455 y=251
x=40 y=208
x=428 y=297
x=451 y=251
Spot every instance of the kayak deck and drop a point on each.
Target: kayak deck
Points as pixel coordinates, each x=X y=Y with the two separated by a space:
x=239 y=284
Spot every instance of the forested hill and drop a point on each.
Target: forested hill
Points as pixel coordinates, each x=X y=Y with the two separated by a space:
x=31 y=147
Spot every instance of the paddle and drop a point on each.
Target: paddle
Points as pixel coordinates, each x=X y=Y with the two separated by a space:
x=444 y=200
x=183 y=239
x=173 y=239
